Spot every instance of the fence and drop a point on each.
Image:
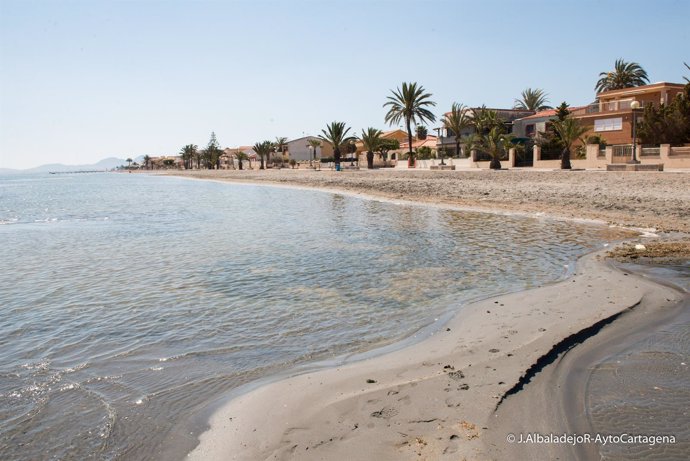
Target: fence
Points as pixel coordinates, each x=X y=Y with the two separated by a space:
x=650 y=151
x=551 y=154
x=680 y=152
x=621 y=154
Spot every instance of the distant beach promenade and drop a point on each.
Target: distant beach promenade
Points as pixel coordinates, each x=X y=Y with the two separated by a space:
x=495 y=371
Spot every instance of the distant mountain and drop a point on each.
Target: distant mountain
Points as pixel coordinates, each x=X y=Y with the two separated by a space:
x=105 y=164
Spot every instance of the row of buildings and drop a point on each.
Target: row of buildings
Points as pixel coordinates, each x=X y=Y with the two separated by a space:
x=610 y=118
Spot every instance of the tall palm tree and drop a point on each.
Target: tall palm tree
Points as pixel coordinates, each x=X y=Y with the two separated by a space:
x=569 y=130
x=129 y=163
x=263 y=149
x=189 y=153
x=147 y=160
x=336 y=134
x=409 y=104
x=314 y=144
x=457 y=120
x=624 y=75
x=532 y=99
x=371 y=138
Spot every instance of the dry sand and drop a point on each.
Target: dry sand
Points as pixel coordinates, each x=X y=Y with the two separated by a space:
x=438 y=399
x=659 y=200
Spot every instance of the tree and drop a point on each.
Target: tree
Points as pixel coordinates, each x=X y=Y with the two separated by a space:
x=421 y=132
x=129 y=163
x=188 y=154
x=263 y=149
x=212 y=153
x=687 y=79
x=386 y=145
x=496 y=143
x=532 y=99
x=147 y=160
x=569 y=130
x=371 y=138
x=336 y=134
x=240 y=156
x=483 y=120
x=281 y=145
x=314 y=144
x=624 y=75
x=470 y=143
x=666 y=124
x=457 y=120
x=409 y=104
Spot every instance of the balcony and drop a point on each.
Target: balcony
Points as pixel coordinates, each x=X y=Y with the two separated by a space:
x=612 y=106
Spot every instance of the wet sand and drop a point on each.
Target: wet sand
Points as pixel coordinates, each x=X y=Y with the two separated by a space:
x=437 y=399
x=586 y=390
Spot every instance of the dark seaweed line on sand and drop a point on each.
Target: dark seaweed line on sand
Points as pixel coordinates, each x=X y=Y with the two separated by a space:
x=560 y=349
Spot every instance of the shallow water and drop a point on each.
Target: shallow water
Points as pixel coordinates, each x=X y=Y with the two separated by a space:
x=645 y=389
x=130 y=302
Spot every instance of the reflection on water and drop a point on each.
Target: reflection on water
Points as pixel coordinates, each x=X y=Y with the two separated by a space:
x=129 y=303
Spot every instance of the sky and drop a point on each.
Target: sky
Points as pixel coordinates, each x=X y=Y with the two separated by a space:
x=84 y=80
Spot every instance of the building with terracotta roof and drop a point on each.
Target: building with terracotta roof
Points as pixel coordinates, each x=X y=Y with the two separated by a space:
x=611 y=116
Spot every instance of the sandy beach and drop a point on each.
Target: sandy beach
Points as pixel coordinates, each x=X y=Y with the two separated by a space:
x=642 y=200
x=502 y=367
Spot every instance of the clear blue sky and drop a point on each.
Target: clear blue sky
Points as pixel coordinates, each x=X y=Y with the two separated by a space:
x=85 y=80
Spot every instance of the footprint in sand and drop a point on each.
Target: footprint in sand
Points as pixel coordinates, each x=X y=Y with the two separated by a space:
x=385 y=412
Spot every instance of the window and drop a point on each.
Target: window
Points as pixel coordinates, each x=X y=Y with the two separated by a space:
x=608 y=124
x=530 y=130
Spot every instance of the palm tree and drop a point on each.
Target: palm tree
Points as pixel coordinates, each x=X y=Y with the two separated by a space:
x=263 y=149
x=569 y=130
x=483 y=120
x=240 y=156
x=336 y=134
x=189 y=153
x=281 y=144
x=532 y=99
x=129 y=163
x=456 y=121
x=371 y=138
x=686 y=65
x=409 y=104
x=470 y=143
x=314 y=144
x=147 y=159
x=496 y=143
x=624 y=75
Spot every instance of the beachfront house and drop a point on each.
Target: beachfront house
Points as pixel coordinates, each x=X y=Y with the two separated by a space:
x=397 y=134
x=446 y=139
x=611 y=116
x=228 y=159
x=300 y=150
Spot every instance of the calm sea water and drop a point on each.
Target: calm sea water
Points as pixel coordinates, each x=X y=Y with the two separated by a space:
x=645 y=389
x=128 y=303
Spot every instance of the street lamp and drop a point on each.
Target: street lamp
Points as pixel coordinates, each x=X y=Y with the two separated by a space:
x=311 y=153
x=634 y=107
x=441 y=150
